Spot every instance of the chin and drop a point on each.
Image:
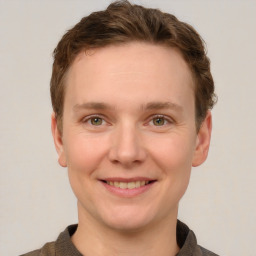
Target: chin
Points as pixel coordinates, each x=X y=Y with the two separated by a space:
x=127 y=220
x=126 y=226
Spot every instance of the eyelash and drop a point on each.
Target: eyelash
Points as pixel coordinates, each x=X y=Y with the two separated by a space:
x=166 y=120
x=90 y=118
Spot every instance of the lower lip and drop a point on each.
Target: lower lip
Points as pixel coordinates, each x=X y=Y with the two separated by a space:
x=128 y=192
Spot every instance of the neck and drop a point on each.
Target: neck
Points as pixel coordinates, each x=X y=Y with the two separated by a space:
x=94 y=239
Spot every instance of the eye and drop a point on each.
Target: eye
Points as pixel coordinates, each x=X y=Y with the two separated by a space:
x=96 y=121
x=160 y=121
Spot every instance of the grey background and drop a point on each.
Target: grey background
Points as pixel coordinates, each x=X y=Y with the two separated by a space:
x=36 y=200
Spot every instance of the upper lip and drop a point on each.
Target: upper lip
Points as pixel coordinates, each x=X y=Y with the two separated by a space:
x=121 y=179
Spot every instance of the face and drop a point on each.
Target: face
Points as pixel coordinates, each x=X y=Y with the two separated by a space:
x=129 y=137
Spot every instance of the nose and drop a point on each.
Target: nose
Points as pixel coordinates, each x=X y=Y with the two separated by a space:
x=127 y=146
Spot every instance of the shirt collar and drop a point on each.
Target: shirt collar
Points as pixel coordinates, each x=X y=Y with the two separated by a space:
x=186 y=240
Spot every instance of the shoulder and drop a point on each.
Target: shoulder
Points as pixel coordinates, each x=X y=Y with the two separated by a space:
x=62 y=246
x=187 y=242
x=206 y=252
x=33 y=253
x=47 y=250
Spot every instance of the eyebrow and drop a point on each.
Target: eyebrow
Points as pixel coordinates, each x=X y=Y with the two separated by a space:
x=148 y=106
x=162 y=105
x=92 y=105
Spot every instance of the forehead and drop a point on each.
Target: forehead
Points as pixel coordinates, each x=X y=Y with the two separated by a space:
x=130 y=69
x=121 y=54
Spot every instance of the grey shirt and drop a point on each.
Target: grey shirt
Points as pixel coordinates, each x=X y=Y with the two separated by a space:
x=63 y=246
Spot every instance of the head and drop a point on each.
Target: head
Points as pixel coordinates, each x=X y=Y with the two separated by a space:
x=131 y=89
x=121 y=23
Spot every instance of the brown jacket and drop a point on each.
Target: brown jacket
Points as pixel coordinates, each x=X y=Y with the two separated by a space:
x=63 y=246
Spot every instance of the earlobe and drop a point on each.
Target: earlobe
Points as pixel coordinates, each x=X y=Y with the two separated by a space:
x=57 y=138
x=203 y=141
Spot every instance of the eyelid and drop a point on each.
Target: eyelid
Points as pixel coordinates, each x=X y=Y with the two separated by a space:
x=166 y=118
x=87 y=118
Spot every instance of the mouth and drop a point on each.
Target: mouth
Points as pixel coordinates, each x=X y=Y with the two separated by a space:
x=128 y=185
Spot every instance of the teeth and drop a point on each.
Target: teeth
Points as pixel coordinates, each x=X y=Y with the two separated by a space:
x=137 y=184
x=123 y=185
x=131 y=185
x=128 y=185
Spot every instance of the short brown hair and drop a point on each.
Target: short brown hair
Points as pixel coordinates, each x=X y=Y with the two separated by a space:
x=124 y=22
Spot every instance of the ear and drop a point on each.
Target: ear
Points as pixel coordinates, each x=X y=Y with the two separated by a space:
x=203 y=141
x=57 y=137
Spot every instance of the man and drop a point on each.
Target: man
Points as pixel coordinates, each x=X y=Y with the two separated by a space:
x=131 y=91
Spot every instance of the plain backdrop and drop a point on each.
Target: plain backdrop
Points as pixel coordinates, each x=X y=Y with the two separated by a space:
x=36 y=200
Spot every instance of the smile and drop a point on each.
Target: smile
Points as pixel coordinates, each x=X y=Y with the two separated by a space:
x=128 y=188
x=127 y=185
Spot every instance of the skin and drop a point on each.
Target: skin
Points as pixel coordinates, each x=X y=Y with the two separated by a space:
x=142 y=97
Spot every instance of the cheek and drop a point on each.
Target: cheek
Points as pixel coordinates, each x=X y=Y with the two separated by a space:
x=174 y=157
x=173 y=153
x=84 y=152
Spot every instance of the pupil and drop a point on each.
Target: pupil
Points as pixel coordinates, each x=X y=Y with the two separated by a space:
x=97 y=121
x=159 y=121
